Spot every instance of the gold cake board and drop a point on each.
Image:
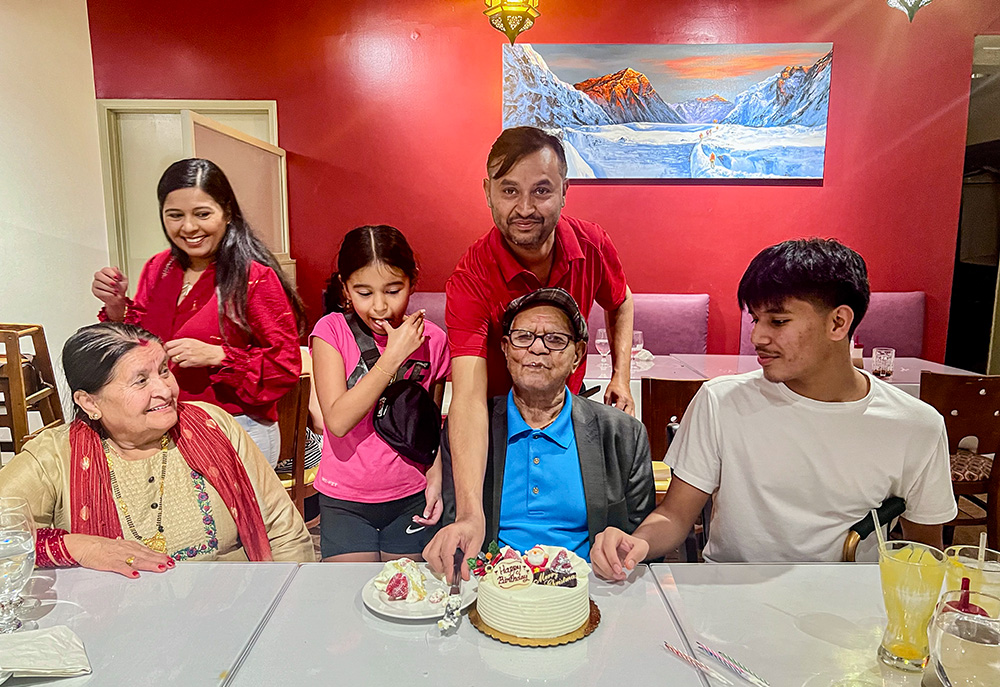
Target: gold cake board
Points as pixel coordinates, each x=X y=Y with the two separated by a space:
x=579 y=633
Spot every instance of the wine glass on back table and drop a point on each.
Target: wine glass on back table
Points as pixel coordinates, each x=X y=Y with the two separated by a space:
x=637 y=344
x=603 y=346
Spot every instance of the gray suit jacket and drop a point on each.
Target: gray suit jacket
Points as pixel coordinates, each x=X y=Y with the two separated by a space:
x=614 y=460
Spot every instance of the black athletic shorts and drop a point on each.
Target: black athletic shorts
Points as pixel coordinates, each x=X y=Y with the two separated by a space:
x=353 y=527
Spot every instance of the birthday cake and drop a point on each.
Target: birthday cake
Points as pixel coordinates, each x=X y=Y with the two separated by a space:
x=539 y=595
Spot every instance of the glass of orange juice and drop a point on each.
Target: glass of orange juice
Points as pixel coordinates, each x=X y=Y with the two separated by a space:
x=911 y=574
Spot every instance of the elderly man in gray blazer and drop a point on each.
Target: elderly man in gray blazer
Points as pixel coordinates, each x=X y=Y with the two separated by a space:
x=561 y=468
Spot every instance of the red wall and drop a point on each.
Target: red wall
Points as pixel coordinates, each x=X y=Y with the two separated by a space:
x=387 y=110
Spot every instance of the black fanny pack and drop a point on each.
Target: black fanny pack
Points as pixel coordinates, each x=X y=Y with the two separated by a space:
x=406 y=417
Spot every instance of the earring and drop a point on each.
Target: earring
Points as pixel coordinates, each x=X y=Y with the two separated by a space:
x=95 y=416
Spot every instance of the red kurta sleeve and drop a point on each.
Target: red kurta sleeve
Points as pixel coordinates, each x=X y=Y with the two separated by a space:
x=269 y=366
x=136 y=309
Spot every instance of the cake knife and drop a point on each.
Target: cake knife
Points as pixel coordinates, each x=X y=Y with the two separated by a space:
x=453 y=603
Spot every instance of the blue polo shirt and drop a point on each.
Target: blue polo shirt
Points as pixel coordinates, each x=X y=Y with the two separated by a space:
x=542 y=500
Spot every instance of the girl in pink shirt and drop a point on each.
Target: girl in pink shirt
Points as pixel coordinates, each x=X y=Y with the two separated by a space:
x=374 y=503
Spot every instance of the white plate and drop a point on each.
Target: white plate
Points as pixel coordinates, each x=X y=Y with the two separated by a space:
x=418 y=610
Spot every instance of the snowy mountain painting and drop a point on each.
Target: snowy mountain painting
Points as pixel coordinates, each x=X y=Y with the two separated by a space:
x=676 y=111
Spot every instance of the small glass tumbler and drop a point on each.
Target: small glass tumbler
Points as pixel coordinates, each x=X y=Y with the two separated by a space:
x=882 y=361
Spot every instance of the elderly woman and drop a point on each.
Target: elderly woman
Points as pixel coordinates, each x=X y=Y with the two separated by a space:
x=139 y=480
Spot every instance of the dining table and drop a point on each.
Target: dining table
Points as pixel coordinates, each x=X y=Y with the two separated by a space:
x=795 y=625
x=321 y=632
x=266 y=624
x=186 y=626
x=905 y=374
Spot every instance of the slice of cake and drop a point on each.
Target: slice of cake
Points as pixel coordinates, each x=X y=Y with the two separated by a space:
x=540 y=595
x=401 y=580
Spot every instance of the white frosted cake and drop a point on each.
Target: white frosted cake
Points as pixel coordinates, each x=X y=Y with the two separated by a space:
x=540 y=595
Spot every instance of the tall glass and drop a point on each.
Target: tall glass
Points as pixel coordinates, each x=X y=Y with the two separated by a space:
x=16 y=504
x=911 y=582
x=963 y=561
x=17 y=560
x=637 y=344
x=603 y=345
x=965 y=639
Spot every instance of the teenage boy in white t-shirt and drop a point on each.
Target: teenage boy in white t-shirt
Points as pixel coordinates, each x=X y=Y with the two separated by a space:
x=796 y=452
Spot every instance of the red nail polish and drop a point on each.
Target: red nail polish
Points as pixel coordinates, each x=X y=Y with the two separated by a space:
x=161 y=566
x=135 y=573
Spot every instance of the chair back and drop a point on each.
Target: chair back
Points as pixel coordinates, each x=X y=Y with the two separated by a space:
x=669 y=322
x=894 y=318
x=664 y=402
x=969 y=404
x=293 y=413
x=431 y=301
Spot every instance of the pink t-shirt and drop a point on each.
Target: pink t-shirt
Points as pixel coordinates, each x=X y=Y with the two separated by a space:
x=360 y=466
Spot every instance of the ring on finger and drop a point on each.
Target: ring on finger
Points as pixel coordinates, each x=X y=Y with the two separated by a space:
x=129 y=561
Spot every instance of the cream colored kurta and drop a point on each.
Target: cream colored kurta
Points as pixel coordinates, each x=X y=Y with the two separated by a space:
x=196 y=523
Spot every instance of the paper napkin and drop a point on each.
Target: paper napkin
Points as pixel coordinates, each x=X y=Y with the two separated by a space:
x=52 y=652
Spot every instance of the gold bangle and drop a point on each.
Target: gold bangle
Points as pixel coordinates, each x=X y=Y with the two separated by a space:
x=390 y=375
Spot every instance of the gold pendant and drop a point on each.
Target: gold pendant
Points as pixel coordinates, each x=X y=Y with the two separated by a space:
x=157 y=543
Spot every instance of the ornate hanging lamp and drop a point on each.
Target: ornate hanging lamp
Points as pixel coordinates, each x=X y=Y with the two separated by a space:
x=909 y=6
x=511 y=17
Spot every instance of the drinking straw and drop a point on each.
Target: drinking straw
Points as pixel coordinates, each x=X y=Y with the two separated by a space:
x=691 y=660
x=982 y=550
x=735 y=666
x=878 y=531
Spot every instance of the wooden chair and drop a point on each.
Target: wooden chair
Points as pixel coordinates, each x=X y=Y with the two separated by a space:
x=891 y=508
x=27 y=384
x=970 y=406
x=293 y=414
x=663 y=403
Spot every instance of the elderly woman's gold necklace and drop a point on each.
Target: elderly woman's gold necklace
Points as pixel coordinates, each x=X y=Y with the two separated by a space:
x=157 y=542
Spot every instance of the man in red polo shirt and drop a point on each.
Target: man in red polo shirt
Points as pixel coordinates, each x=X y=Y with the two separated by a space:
x=529 y=247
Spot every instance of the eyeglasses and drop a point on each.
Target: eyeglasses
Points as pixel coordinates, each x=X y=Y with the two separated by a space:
x=553 y=341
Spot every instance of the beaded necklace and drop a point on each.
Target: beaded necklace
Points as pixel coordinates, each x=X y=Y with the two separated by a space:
x=157 y=542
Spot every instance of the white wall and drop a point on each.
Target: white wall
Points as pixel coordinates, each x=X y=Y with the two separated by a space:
x=52 y=225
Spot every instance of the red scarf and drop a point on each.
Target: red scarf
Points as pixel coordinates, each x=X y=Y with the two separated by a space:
x=204 y=447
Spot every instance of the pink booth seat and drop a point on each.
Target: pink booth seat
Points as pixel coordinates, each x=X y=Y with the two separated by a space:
x=894 y=318
x=669 y=322
x=432 y=302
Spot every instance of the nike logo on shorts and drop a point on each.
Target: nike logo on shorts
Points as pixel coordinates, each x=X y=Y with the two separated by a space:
x=411 y=530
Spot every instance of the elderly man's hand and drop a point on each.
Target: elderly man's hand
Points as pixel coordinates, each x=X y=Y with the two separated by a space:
x=614 y=553
x=466 y=534
x=115 y=555
x=619 y=395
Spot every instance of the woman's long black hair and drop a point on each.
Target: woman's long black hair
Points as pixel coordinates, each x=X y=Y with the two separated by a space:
x=239 y=247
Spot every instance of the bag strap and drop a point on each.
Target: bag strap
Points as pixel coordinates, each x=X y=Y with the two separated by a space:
x=364 y=339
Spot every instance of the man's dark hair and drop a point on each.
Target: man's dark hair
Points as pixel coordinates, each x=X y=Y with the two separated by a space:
x=518 y=142
x=822 y=271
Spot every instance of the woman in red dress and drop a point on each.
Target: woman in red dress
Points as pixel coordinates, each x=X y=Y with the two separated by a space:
x=217 y=297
